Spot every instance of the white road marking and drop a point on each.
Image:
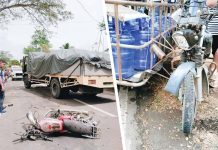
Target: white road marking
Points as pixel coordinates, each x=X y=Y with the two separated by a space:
x=98 y=109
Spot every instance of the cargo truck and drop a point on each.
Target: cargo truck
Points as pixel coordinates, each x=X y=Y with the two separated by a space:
x=63 y=70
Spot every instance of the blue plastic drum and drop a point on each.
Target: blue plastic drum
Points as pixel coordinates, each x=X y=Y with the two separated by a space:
x=142 y=56
x=127 y=56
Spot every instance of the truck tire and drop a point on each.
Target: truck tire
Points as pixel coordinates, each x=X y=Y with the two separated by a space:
x=55 y=88
x=26 y=81
x=189 y=103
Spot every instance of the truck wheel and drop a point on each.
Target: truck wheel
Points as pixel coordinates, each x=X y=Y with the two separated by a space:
x=189 y=103
x=26 y=81
x=55 y=88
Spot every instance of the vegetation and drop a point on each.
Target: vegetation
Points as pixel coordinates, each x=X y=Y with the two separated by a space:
x=5 y=55
x=41 y=12
x=39 y=42
x=13 y=62
x=101 y=26
x=66 y=46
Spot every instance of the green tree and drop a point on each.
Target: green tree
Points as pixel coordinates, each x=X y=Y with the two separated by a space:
x=42 y=12
x=13 y=62
x=101 y=26
x=39 y=42
x=66 y=46
x=28 y=49
x=5 y=55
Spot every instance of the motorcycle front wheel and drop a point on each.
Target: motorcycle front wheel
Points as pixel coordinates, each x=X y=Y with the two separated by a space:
x=189 y=103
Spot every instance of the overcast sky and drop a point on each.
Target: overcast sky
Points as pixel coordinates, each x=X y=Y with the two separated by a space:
x=81 y=32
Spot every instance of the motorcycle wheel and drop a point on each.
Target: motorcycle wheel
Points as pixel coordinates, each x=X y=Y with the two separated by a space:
x=189 y=103
x=78 y=127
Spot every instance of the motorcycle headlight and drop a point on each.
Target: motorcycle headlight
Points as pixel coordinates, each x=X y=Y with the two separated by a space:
x=180 y=40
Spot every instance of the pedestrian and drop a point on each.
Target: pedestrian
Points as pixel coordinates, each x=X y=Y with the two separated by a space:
x=2 y=86
x=212 y=28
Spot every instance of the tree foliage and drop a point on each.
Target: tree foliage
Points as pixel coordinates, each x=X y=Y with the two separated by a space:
x=66 y=46
x=5 y=55
x=28 y=49
x=40 y=42
x=42 y=12
x=14 y=62
x=101 y=26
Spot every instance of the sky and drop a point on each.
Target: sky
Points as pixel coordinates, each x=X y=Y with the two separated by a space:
x=81 y=32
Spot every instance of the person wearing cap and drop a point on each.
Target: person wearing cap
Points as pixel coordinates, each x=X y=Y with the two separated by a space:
x=2 y=85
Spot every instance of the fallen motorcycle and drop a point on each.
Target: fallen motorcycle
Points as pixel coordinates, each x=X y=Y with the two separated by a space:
x=59 y=121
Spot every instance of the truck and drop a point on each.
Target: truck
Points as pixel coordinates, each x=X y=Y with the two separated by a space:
x=73 y=70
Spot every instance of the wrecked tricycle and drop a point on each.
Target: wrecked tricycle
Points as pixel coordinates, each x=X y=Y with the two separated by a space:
x=143 y=43
x=191 y=80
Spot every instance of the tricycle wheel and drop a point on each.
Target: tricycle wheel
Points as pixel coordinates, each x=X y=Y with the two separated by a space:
x=189 y=103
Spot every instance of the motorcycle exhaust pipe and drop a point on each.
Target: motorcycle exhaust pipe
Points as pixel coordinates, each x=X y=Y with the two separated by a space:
x=160 y=54
x=80 y=127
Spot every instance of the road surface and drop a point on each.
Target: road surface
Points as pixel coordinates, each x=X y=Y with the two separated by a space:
x=38 y=98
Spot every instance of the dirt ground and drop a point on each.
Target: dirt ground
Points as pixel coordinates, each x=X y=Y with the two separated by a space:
x=156 y=117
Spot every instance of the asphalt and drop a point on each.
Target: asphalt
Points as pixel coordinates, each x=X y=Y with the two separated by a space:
x=38 y=99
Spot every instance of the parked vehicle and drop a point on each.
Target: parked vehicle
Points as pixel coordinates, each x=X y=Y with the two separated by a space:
x=64 y=70
x=16 y=73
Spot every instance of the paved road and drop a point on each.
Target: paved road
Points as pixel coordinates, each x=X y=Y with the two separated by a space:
x=38 y=99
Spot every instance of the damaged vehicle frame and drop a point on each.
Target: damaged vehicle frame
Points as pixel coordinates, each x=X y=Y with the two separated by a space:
x=190 y=73
x=84 y=75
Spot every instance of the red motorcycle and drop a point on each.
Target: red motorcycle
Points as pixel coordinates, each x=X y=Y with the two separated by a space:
x=60 y=121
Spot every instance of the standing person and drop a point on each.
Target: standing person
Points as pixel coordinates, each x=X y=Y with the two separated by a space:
x=213 y=29
x=2 y=86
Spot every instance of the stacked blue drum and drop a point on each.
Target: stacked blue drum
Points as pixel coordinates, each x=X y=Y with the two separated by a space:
x=127 y=55
x=142 y=35
x=132 y=32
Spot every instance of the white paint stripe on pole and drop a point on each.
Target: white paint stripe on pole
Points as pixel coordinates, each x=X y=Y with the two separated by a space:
x=98 y=109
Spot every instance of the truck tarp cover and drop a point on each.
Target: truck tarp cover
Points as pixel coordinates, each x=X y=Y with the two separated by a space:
x=39 y=63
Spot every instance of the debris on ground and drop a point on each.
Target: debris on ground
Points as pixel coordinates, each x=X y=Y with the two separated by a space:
x=159 y=111
x=32 y=134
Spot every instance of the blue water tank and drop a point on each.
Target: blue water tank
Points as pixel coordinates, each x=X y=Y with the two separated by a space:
x=132 y=25
x=142 y=56
x=143 y=23
x=127 y=56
